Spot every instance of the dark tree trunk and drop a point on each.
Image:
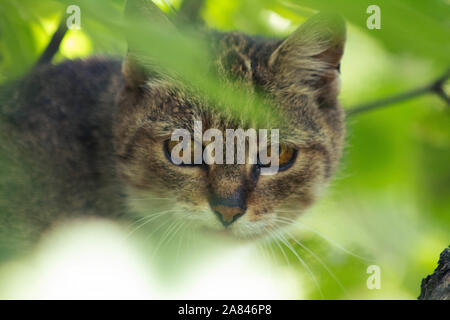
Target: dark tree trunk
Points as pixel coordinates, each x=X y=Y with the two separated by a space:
x=437 y=285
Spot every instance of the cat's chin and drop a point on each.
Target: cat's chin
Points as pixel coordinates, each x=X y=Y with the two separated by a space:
x=229 y=235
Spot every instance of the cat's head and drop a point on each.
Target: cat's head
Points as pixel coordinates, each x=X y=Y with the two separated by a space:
x=298 y=76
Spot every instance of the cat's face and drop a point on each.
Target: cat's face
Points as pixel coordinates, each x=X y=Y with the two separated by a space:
x=299 y=76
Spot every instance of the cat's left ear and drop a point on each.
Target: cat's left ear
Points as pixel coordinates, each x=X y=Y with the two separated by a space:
x=141 y=14
x=312 y=54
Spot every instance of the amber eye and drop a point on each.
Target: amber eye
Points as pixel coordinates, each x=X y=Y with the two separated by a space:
x=286 y=158
x=169 y=145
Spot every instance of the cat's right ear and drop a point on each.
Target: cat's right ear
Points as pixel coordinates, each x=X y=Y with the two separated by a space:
x=312 y=55
x=141 y=15
x=320 y=40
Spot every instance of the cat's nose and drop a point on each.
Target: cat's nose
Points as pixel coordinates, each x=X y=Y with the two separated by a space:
x=229 y=209
x=228 y=215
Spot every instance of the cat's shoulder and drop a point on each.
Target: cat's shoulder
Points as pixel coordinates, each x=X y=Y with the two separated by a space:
x=73 y=77
x=68 y=90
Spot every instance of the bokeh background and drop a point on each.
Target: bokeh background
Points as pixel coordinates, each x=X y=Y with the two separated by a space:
x=389 y=204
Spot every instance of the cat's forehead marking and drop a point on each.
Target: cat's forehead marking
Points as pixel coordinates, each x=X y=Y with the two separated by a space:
x=240 y=60
x=232 y=57
x=178 y=109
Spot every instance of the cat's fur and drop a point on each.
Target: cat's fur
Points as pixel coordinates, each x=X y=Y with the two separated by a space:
x=95 y=135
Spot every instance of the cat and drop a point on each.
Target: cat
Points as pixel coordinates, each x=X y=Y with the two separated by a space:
x=89 y=138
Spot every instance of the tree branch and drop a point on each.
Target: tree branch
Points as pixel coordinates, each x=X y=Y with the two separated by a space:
x=437 y=285
x=53 y=46
x=436 y=87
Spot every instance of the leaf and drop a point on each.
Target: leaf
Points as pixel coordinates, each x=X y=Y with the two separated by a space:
x=415 y=27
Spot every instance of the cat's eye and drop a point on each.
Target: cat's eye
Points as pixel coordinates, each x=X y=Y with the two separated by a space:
x=169 y=145
x=287 y=157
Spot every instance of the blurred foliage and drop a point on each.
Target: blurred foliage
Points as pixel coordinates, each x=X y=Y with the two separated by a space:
x=391 y=199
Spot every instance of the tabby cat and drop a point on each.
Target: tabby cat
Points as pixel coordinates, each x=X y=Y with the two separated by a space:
x=90 y=137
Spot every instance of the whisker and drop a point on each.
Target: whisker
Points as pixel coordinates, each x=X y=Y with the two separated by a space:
x=176 y=231
x=180 y=238
x=165 y=236
x=320 y=261
x=332 y=242
x=279 y=246
x=266 y=244
x=148 y=220
x=287 y=244
x=164 y=223
x=263 y=248
x=144 y=218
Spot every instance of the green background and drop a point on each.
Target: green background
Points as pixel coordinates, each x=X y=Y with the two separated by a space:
x=390 y=200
